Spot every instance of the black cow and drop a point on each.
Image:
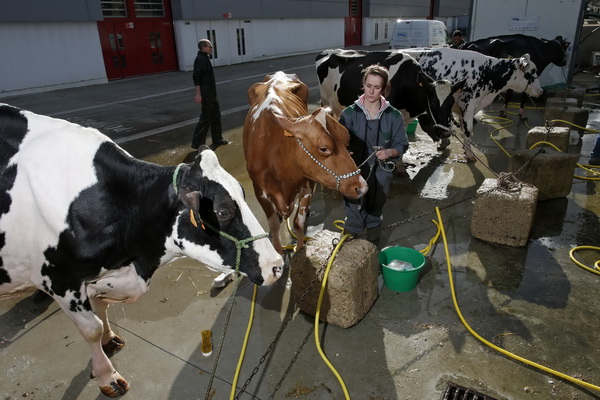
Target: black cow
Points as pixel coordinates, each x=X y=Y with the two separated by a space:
x=411 y=90
x=542 y=52
x=88 y=224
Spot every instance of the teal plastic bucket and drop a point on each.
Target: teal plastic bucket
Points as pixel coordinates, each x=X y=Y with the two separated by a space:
x=412 y=127
x=401 y=281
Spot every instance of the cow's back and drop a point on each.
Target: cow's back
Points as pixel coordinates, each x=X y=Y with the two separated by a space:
x=265 y=143
x=541 y=51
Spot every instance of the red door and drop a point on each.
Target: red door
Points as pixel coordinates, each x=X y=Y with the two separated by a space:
x=119 y=49
x=137 y=38
x=157 y=46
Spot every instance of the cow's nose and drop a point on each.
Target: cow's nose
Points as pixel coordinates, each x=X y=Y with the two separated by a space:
x=362 y=189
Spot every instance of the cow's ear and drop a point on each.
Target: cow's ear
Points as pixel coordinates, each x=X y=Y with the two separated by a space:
x=284 y=123
x=524 y=61
x=458 y=86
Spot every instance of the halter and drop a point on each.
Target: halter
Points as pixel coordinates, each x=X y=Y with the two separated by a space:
x=239 y=244
x=337 y=177
x=435 y=123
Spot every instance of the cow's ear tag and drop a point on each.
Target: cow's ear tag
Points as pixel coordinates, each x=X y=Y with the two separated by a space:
x=193 y=221
x=286 y=133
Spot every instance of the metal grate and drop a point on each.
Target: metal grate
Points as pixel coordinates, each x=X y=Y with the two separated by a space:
x=457 y=392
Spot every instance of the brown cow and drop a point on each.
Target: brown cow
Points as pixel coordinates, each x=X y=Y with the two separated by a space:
x=287 y=150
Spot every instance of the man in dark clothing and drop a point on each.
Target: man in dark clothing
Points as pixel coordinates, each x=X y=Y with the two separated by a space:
x=206 y=94
x=457 y=40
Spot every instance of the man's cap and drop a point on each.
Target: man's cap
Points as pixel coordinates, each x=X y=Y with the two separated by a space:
x=457 y=33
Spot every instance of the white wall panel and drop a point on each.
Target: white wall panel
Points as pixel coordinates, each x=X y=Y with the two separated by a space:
x=277 y=37
x=555 y=18
x=36 y=56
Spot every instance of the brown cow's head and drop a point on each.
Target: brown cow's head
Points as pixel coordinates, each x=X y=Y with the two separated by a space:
x=324 y=157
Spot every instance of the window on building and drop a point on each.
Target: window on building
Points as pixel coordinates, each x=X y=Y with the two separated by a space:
x=113 y=8
x=376 y=30
x=149 y=8
x=385 y=30
x=354 y=8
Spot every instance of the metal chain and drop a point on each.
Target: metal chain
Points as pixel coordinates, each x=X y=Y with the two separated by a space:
x=287 y=320
x=504 y=177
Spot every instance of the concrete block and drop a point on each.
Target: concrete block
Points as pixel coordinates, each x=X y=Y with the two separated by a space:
x=566 y=93
x=575 y=115
x=352 y=283
x=504 y=215
x=561 y=102
x=547 y=169
x=557 y=135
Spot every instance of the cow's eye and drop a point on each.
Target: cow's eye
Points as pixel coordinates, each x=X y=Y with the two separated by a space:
x=224 y=214
x=324 y=150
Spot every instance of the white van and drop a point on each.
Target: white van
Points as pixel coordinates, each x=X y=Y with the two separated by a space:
x=409 y=33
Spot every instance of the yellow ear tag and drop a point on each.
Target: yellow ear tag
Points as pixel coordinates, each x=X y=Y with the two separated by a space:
x=193 y=219
x=286 y=133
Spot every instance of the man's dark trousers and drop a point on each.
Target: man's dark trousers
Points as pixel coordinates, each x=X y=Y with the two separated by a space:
x=210 y=118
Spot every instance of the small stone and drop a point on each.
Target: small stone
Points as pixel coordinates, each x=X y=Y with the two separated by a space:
x=528 y=389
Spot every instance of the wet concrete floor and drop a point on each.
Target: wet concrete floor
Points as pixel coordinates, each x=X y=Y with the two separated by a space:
x=532 y=301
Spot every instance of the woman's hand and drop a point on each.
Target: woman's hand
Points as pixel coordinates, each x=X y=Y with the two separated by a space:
x=384 y=154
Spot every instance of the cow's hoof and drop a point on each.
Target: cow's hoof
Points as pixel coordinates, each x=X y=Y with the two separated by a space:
x=445 y=142
x=115 y=344
x=502 y=114
x=522 y=118
x=115 y=389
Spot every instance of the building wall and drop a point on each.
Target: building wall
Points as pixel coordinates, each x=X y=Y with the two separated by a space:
x=258 y=9
x=55 y=43
x=48 y=55
x=50 y=10
x=554 y=18
x=265 y=38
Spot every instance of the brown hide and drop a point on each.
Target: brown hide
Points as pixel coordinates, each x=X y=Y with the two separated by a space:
x=280 y=169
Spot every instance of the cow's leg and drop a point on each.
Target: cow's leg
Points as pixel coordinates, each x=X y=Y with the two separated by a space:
x=118 y=286
x=274 y=225
x=111 y=343
x=467 y=119
x=302 y=214
x=508 y=96
x=78 y=308
x=522 y=116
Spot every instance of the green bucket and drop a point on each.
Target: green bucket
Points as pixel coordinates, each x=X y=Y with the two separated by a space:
x=412 y=127
x=401 y=281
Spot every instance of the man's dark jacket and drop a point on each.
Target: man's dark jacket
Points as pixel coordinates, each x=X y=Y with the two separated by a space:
x=204 y=76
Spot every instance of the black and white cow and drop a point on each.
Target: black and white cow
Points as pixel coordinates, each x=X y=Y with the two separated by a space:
x=485 y=78
x=411 y=91
x=88 y=224
x=542 y=52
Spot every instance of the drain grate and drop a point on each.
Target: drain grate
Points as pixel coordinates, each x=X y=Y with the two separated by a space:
x=457 y=392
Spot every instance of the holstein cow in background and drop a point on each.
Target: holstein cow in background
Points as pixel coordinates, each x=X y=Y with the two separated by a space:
x=287 y=150
x=486 y=78
x=542 y=52
x=88 y=224
x=411 y=90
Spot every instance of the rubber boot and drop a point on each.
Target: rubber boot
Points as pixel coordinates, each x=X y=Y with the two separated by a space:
x=347 y=232
x=374 y=234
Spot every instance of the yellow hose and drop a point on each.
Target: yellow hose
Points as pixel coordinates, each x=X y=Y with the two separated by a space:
x=318 y=313
x=493 y=346
x=596 y=269
x=243 y=351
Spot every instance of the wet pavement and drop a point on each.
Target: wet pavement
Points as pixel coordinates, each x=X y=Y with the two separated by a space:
x=532 y=301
